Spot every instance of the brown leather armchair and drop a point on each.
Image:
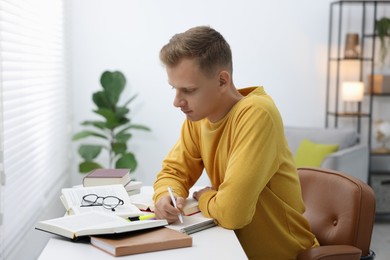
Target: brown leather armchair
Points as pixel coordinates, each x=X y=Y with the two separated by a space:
x=341 y=211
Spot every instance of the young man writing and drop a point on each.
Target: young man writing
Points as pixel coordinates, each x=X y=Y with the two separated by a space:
x=237 y=136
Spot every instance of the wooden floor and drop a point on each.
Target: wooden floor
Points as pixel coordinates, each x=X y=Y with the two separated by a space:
x=380 y=242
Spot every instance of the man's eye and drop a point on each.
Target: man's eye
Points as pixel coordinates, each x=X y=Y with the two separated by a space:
x=189 y=90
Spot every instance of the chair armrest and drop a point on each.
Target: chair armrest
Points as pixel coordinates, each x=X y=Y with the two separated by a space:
x=334 y=252
x=352 y=160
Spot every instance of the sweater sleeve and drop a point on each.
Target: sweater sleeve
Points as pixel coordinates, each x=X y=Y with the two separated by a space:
x=183 y=165
x=252 y=161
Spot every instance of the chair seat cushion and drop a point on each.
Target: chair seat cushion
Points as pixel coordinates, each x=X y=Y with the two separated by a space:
x=310 y=154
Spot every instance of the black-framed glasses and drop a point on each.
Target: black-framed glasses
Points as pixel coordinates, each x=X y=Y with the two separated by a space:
x=108 y=202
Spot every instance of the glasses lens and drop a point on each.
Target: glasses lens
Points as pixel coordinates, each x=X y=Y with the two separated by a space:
x=89 y=199
x=111 y=202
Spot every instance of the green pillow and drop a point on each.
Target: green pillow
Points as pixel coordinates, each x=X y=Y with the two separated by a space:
x=311 y=154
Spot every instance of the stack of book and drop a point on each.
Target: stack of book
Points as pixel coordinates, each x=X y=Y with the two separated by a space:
x=121 y=230
x=101 y=177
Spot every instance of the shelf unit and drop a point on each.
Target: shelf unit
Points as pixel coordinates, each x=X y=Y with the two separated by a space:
x=360 y=20
x=360 y=16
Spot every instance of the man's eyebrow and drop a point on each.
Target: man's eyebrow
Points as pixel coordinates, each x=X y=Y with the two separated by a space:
x=187 y=87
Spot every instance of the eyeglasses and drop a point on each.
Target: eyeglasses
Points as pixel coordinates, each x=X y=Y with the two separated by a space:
x=108 y=202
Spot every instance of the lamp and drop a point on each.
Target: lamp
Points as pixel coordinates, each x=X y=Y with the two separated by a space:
x=352 y=91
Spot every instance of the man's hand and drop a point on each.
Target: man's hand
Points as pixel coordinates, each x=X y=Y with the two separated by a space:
x=196 y=195
x=164 y=208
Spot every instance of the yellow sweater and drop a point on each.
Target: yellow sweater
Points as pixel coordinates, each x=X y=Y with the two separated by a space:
x=257 y=191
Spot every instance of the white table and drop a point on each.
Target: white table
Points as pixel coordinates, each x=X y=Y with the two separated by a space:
x=212 y=243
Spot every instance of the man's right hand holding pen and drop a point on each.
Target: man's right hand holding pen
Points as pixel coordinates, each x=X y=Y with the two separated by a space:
x=164 y=208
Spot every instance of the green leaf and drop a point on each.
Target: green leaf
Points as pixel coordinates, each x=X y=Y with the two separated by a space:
x=113 y=84
x=120 y=112
x=127 y=161
x=123 y=137
x=101 y=100
x=99 y=124
x=104 y=125
x=140 y=127
x=123 y=121
x=86 y=133
x=137 y=127
x=89 y=152
x=108 y=114
x=130 y=100
x=119 y=148
x=86 y=167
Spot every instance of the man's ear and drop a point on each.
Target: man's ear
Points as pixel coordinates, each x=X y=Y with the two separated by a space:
x=224 y=78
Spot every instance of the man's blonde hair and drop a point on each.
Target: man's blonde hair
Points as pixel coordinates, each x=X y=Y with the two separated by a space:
x=201 y=43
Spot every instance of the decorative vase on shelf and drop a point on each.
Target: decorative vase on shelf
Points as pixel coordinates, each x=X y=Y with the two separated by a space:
x=382 y=136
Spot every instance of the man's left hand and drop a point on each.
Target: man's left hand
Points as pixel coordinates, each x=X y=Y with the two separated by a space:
x=196 y=195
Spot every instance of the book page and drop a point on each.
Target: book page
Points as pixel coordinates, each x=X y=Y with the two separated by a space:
x=143 y=201
x=87 y=221
x=73 y=198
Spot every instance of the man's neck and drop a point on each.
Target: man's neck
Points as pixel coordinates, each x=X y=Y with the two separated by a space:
x=229 y=100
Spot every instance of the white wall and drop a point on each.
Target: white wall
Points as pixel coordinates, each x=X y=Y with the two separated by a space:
x=279 y=44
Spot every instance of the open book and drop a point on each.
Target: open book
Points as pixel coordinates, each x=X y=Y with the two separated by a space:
x=94 y=223
x=72 y=200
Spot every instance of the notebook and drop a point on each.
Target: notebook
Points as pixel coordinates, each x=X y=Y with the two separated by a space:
x=192 y=224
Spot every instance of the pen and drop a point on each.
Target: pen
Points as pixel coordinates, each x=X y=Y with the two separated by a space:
x=174 y=203
x=143 y=217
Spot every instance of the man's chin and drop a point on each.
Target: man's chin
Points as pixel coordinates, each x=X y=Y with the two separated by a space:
x=193 y=118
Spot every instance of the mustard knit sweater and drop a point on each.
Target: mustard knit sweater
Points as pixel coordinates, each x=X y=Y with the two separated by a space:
x=257 y=191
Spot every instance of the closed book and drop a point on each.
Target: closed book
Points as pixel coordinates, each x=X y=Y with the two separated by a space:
x=141 y=241
x=100 y=177
x=133 y=185
x=191 y=207
x=133 y=192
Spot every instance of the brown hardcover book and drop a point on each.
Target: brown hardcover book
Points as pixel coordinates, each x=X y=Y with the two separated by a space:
x=141 y=241
x=107 y=177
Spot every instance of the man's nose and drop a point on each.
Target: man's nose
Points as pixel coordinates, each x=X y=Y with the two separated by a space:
x=179 y=100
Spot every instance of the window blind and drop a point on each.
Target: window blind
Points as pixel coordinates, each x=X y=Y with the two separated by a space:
x=35 y=129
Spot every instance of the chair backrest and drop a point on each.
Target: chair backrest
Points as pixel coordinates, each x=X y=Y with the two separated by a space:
x=339 y=208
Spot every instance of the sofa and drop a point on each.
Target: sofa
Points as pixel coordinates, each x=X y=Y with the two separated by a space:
x=351 y=156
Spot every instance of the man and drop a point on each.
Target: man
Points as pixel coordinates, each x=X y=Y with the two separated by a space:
x=237 y=136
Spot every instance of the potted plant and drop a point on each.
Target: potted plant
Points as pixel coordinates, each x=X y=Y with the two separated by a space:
x=113 y=131
x=382 y=29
